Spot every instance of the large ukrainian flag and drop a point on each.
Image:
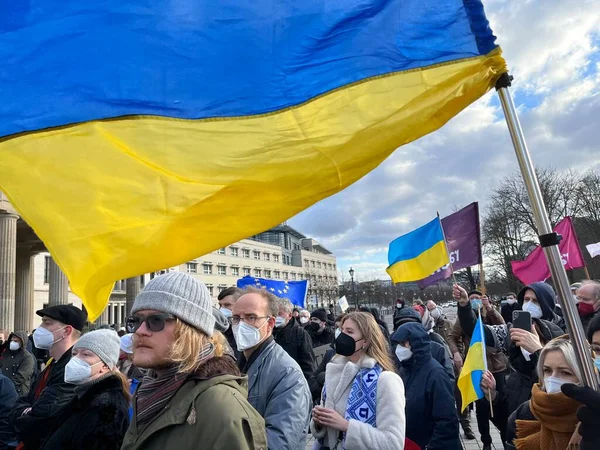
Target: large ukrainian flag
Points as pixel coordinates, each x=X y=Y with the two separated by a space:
x=136 y=135
x=469 y=380
x=416 y=255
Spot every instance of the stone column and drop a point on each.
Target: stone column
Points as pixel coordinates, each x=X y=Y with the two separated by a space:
x=133 y=289
x=119 y=320
x=104 y=316
x=59 y=286
x=24 y=293
x=8 y=261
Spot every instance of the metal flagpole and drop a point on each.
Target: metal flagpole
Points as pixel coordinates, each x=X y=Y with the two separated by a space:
x=548 y=238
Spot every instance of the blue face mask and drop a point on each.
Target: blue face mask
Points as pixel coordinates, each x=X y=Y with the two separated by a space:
x=597 y=363
x=476 y=304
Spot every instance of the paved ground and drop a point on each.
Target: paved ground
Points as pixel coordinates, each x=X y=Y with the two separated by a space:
x=467 y=445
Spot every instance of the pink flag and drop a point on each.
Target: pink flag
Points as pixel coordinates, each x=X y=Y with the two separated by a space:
x=535 y=267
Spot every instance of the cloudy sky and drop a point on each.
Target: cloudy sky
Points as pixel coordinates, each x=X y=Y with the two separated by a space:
x=552 y=48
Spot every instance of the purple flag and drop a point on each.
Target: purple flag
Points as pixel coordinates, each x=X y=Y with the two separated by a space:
x=464 y=243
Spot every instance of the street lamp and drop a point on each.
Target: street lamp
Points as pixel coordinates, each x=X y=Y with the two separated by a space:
x=351 y=272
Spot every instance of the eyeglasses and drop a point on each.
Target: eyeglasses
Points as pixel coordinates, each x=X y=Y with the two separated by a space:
x=154 y=322
x=249 y=319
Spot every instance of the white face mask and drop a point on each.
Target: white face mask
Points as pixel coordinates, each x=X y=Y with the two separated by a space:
x=436 y=314
x=246 y=336
x=337 y=332
x=511 y=301
x=78 y=371
x=44 y=339
x=226 y=312
x=403 y=353
x=553 y=384
x=533 y=309
x=303 y=320
x=14 y=346
x=279 y=322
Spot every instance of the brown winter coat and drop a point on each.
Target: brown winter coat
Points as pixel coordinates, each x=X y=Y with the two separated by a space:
x=458 y=342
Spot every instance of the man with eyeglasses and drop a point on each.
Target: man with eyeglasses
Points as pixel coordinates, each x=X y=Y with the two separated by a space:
x=193 y=394
x=277 y=388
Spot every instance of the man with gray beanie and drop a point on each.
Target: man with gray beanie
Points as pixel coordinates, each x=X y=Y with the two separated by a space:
x=193 y=393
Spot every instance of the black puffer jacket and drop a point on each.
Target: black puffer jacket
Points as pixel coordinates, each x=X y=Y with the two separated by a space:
x=34 y=427
x=297 y=343
x=97 y=418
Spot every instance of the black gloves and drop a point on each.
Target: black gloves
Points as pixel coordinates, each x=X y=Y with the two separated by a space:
x=588 y=415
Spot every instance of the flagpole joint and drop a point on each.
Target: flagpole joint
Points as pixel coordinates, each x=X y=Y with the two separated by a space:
x=550 y=239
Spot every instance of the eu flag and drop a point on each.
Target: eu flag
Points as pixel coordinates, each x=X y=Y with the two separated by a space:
x=294 y=291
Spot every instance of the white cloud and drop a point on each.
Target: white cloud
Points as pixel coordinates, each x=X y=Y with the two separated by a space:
x=552 y=49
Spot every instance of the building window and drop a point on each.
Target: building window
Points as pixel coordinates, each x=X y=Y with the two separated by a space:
x=256 y=254
x=267 y=256
x=296 y=247
x=235 y=271
x=46 y=270
x=210 y=289
x=312 y=263
x=267 y=274
x=334 y=267
x=245 y=253
x=276 y=258
x=293 y=275
x=234 y=251
x=246 y=271
x=319 y=265
x=222 y=270
x=277 y=274
x=285 y=275
x=221 y=251
x=192 y=267
x=207 y=269
x=320 y=278
x=257 y=273
x=287 y=260
x=306 y=263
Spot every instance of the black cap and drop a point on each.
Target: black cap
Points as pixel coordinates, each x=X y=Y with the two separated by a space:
x=67 y=314
x=320 y=314
x=475 y=292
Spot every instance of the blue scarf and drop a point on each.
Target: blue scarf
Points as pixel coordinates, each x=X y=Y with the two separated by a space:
x=362 y=401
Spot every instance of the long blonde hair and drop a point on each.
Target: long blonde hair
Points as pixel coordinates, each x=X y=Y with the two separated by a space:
x=188 y=344
x=371 y=333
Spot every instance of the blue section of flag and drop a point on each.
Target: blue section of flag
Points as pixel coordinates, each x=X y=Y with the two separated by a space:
x=67 y=61
x=294 y=291
x=411 y=245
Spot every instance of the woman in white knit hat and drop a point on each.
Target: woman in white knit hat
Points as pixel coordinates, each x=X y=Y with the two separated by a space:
x=97 y=418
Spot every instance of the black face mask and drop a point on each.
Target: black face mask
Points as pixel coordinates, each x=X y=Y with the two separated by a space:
x=345 y=345
x=314 y=327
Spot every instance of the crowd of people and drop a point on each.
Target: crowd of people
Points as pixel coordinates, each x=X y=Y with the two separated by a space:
x=257 y=372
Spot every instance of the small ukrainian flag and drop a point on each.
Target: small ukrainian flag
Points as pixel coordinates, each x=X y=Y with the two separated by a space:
x=469 y=380
x=418 y=254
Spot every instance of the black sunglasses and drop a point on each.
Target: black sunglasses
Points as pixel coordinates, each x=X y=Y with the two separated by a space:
x=154 y=322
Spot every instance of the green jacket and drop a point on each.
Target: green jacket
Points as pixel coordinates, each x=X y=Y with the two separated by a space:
x=207 y=414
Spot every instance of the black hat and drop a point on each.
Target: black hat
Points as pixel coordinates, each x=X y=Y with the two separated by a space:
x=67 y=314
x=320 y=314
x=475 y=292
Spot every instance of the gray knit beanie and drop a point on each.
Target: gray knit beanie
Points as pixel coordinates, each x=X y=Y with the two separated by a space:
x=104 y=343
x=179 y=294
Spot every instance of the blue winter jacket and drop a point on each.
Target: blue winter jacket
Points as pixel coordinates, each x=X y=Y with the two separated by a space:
x=431 y=419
